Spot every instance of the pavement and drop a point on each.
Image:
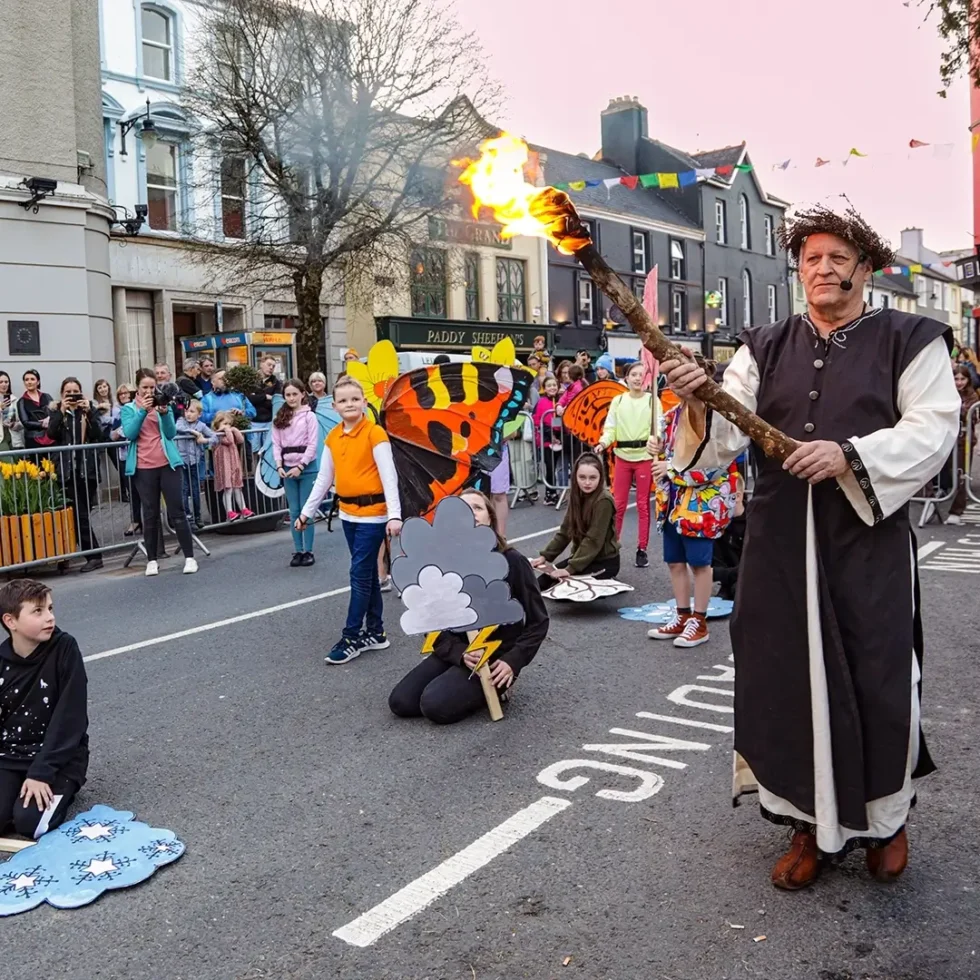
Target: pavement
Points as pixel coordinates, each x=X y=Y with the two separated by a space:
x=574 y=839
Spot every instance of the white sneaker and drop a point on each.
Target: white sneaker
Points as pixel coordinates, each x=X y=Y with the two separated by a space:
x=954 y=519
x=386 y=584
x=190 y=566
x=152 y=568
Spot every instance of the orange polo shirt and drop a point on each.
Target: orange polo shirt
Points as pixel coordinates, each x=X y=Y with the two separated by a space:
x=355 y=471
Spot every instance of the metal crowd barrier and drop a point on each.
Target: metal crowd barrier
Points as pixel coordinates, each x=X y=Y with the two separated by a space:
x=63 y=502
x=523 y=463
x=972 y=421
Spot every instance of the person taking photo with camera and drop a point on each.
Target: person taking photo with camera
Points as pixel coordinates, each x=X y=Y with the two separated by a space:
x=155 y=463
x=74 y=421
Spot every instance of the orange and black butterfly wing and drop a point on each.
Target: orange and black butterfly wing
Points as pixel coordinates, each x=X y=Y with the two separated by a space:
x=585 y=415
x=445 y=423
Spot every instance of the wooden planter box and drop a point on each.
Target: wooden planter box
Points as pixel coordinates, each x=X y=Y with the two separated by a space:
x=32 y=537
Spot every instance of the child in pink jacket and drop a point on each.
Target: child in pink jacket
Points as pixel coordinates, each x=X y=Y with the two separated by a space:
x=547 y=434
x=296 y=449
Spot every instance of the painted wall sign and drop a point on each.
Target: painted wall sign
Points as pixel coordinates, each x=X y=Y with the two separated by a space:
x=467 y=232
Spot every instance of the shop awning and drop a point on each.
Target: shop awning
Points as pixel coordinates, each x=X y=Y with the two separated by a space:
x=459 y=336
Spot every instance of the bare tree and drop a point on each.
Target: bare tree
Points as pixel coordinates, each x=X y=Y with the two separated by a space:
x=958 y=22
x=326 y=130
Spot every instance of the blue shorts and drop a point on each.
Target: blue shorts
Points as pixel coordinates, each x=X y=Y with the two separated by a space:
x=678 y=550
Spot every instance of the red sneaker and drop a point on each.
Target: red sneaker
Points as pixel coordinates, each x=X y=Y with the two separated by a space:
x=671 y=629
x=233 y=515
x=695 y=632
x=247 y=513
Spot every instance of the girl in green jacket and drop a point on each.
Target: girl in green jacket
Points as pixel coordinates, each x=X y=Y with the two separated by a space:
x=589 y=528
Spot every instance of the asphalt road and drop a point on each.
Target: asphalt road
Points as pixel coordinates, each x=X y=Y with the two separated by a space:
x=304 y=804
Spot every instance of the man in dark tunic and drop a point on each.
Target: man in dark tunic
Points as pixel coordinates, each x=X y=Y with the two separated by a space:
x=826 y=633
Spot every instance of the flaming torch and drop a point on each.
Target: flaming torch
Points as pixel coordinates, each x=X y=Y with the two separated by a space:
x=497 y=181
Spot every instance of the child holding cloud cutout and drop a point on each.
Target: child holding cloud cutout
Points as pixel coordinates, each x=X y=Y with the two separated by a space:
x=455 y=579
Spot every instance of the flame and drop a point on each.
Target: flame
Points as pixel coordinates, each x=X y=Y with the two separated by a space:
x=498 y=183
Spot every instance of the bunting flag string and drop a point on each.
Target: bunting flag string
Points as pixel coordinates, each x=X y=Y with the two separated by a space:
x=684 y=178
x=905 y=270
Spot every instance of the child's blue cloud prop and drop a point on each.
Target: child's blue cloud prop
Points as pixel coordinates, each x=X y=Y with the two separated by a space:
x=661 y=612
x=73 y=865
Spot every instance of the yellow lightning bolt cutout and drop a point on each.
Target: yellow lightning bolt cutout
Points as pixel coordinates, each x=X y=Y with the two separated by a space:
x=483 y=642
x=430 y=639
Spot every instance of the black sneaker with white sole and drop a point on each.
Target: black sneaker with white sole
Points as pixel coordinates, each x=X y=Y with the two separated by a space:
x=373 y=641
x=641 y=559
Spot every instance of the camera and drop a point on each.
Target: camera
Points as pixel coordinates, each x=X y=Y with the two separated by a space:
x=161 y=397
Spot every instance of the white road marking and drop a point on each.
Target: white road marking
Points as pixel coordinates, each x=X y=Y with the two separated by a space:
x=928 y=548
x=257 y=613
x=410 y=900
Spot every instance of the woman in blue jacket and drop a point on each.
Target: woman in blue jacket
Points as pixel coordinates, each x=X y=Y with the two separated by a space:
x=220 y=399
x=154 y=463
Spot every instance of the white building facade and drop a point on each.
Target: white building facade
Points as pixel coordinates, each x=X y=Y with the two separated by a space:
x=164 y=294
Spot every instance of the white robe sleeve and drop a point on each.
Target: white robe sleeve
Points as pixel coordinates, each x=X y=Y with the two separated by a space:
x=385 y=461
x=725 y=441
x=889 y=466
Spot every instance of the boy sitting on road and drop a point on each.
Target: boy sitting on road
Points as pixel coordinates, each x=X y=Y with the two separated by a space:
x=43 y=712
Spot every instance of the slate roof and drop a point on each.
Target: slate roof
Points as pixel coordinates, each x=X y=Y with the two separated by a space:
x=560 y=168
x=727 y=156
x=898 y=284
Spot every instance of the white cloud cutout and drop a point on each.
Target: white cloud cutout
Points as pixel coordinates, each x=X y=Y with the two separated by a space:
x=437 y=602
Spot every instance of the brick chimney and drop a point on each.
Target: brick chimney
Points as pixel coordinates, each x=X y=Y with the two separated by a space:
x=624 y=124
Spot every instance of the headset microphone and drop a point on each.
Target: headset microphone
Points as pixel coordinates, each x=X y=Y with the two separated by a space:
x=845 y=284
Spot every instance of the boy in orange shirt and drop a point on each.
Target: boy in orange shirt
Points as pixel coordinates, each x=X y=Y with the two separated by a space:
x=357 y=457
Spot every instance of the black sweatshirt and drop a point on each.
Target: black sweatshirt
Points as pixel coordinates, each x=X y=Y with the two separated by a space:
x=519 y=642
x=44 y=710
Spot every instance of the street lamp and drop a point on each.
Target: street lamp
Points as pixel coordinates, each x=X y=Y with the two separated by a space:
x=148 y=130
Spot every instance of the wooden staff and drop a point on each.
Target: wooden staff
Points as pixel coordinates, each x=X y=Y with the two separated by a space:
x=557 y=213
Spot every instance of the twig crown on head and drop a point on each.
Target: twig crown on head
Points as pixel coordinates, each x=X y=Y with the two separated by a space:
x=850 y=226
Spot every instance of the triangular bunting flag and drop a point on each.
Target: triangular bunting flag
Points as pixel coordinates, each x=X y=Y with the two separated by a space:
x=725 y=170
x=593 y=183
x=687 y=178
x=853 y=152
x=743 y=167
x=561 y=187
x=577 y=185
x=705 y=174
x=915 y=144
x=821 y=162
x=784 y=165
x=630 y=182
x=649 y=180
x=611 y=182
x=667 y=180
x=915 y=268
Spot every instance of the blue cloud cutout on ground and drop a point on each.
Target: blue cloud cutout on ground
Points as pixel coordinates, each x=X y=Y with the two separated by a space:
x=73 y=865
x=660 y=612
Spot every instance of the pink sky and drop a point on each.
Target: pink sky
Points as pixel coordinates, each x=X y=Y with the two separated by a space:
x=795 y=80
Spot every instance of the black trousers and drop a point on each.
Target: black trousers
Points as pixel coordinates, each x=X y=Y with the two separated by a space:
x=441 y=692
x=601 y=568
x=26 y=819
x=150 y=484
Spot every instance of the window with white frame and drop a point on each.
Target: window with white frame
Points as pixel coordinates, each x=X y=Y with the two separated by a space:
x=585 y=300
x=721 y=223
x=162 y=168
x=639 y=287
x=883 y=301
x=771 y=302
x=639 y=251
x=233 y=188
x=157 y=33
x=770 y=231
x=947 y=297
x=743 y=220
x=230 y=56
x=936 y=290
x=677 y=270
x=723 y=306
x=677 y=310
x=746 y=298
x=968 y=270
x=921 y=289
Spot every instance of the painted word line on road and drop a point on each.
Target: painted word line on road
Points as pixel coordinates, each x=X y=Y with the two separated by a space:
x=644 y=747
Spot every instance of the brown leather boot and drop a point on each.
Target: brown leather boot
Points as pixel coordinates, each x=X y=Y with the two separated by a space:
x=800 y=865
x=887 y=863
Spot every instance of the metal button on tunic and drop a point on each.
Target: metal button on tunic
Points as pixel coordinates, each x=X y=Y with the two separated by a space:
x=809 y=427
x=814 y=395
x=818 y=364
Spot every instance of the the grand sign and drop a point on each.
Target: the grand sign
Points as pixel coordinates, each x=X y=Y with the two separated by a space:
x=467 y=232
